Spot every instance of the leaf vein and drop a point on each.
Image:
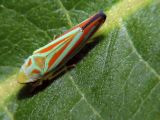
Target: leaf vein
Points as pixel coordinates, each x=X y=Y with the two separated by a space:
x=138 y=109
x=24 y=16
x=65 y=12
x=106 y=54
x=149 y=67
x=141 y=58
x=125 y=83
x=85 y=99
x=79 y=101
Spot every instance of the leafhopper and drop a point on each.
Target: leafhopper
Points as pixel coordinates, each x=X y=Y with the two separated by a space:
x=53 y=56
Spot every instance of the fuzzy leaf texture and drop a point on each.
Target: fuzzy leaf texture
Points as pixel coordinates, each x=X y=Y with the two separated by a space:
x=116 y=75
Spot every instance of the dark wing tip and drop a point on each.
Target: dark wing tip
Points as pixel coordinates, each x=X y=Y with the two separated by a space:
x=102 y=14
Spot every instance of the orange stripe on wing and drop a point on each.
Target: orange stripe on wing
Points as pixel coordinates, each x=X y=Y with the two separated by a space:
x=50 y=47
x=57 y=54
x=82 y=37
x=40 y=61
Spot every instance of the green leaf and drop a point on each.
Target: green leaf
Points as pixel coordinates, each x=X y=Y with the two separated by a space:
x=117 y=77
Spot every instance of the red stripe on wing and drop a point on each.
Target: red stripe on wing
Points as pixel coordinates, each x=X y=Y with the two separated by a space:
x=35 y=71
x=57 y=54
x=50 y=47
x=82 y=37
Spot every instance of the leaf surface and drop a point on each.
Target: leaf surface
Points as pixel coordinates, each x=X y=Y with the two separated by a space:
x=115 y=78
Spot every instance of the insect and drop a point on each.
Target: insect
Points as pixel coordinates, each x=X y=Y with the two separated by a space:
x=53 y=56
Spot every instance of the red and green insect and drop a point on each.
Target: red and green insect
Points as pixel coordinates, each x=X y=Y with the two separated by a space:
x=53 y=56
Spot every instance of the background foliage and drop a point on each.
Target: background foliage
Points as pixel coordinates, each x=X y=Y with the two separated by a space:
x=116 y=77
